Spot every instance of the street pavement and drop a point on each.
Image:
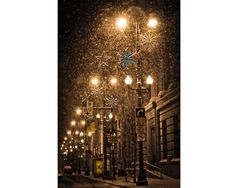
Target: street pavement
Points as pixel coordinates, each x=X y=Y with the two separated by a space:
x=77 y=181
x=152 y=182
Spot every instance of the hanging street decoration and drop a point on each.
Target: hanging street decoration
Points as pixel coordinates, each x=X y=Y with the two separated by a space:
x=111 y=101
x=127 y=58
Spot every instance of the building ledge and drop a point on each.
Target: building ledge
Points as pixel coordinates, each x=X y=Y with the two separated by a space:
x=172 y=161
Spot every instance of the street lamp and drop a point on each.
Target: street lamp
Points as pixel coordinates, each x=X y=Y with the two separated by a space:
x=113 y=81
x=103 y=136
x=110 y=116
x=79 y=111
x=152 y=23
x=128 y=80
x=121 y=23
x=98 y=116
x=94 y=81
x=81 y=133
x=73 y=123
x=149 y=80
x=83 y=122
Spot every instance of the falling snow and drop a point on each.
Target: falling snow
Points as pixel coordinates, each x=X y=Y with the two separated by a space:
x=90 y=45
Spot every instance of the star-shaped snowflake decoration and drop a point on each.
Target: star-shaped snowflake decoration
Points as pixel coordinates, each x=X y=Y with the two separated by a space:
x=111 y=101
x=84 y=98
x=127 y=58
x=149 y=41
x=96 y=91
x=102 y=60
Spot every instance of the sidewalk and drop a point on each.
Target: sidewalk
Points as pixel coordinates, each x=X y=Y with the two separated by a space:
x=152 y=182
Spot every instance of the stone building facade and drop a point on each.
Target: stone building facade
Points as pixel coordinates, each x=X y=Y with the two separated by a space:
x=163 y=131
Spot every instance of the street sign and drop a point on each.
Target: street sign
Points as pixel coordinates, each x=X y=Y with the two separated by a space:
x=140 y=129
x=140 y=121
x=140 y=124
x=140 y=137
x=140 y=112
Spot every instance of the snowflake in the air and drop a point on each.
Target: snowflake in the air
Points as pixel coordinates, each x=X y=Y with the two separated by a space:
x=149 y=41
x=127 y=58
x=111 y=101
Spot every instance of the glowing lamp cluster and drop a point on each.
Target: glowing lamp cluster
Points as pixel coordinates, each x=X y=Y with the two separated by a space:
x=128 y=80
x=95 y=81
x=122 y=23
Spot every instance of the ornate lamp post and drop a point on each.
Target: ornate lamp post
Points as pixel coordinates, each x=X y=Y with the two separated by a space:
x=100 y=116
x=86 y=135
x=103 y=139
x=152 y=23
x=113 y=140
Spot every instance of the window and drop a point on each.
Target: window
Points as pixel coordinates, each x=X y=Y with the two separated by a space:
x=176 y=123
x=163 y=137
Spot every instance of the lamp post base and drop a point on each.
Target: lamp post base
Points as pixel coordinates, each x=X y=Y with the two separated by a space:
x=106 y=176
x=87 y=172
x=142 y=182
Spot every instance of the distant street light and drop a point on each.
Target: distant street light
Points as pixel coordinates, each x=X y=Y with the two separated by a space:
x=79 y=111
x=113 y=81
x=110 y=116
x=73 y=123
x=83 y=122
x=94 y=81
x=98 y=116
